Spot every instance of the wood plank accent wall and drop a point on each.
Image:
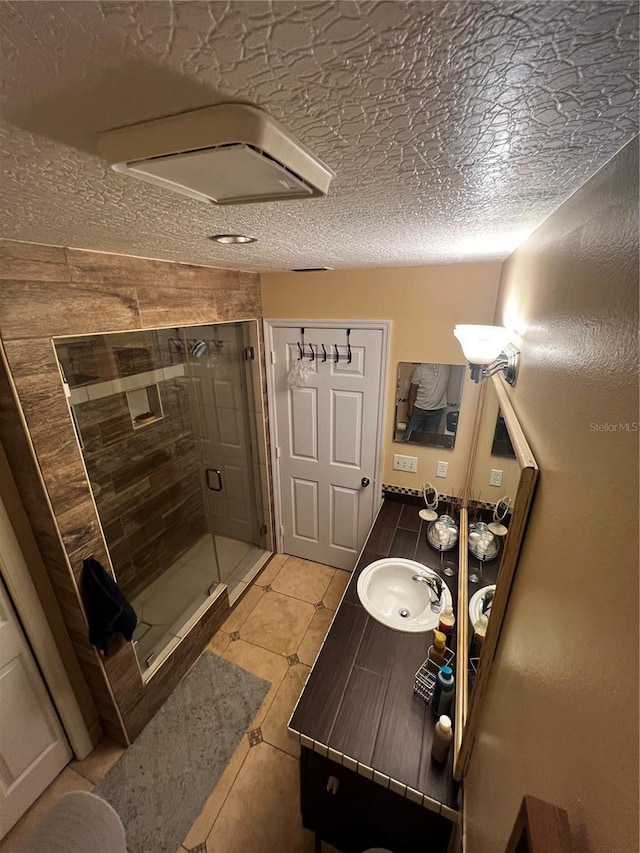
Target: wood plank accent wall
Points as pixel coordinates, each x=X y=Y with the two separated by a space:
x=146 y=482
x=49 y=291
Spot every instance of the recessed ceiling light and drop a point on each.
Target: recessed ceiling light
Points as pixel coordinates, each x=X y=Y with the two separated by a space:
x=233 y=239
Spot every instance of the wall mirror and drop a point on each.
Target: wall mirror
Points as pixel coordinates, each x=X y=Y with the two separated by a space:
x=427 y=405
x=495 y=472
x=501 y=445
x=497 y=516
x=171 y=429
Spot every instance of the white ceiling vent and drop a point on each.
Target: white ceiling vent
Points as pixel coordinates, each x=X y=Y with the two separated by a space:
x=227 y=154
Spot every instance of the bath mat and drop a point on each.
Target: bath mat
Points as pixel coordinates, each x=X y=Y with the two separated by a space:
x=161 y=783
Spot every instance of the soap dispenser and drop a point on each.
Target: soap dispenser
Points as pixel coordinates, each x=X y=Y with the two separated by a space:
x=443 y=691
x=437 y=650
x=442 y=737
x=479 y=633
x=447 y=622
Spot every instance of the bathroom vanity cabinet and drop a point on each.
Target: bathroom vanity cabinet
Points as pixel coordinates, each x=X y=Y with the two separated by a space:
x=355 y=813
x=367 y=779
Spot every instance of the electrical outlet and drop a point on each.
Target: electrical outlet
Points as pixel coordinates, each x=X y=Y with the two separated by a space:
x=441 y=469
x=405 y=463
x=496 y=477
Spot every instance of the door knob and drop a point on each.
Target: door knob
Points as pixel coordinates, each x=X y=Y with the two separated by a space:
x=365 y=481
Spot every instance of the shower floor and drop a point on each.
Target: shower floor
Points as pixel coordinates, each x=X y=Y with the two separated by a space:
x=166 y=605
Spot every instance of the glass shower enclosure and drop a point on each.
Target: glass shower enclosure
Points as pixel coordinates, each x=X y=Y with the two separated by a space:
x=171 y=427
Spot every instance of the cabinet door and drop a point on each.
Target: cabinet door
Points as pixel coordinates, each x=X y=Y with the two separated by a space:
x=354 y=813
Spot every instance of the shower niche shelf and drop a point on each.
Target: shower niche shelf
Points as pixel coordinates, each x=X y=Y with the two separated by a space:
x=145 y=406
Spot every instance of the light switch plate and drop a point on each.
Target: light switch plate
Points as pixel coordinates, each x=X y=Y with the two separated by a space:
x=405 y=463
x=496 y=477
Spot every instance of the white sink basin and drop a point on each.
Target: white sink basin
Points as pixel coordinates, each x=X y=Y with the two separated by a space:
x=390 y=595
x=477 y=603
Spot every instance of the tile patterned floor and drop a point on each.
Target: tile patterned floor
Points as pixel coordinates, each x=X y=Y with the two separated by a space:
x=275 y=632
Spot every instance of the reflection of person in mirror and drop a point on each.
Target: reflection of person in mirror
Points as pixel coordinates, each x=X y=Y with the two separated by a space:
x=427 y=398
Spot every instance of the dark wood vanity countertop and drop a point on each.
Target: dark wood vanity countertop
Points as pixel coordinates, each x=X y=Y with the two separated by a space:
x=358 y=700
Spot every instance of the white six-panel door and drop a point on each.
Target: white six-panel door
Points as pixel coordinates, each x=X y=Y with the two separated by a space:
x=327 y=438
x=33 y=747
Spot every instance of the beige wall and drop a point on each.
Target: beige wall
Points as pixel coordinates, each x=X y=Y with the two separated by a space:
x=560 y=720
x=423 y=304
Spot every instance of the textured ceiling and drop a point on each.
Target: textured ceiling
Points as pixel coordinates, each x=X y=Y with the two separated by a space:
x=454 y=128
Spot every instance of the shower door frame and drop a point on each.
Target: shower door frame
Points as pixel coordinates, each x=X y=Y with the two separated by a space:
x=220 y=586
x=200 y=414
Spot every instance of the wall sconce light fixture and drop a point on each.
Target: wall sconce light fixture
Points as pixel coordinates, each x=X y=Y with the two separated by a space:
x=488 y=351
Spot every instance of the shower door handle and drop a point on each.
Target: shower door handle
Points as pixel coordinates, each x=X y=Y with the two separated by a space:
x=215 y=471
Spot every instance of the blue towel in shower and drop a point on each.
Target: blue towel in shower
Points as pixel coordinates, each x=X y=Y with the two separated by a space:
x=108 y=611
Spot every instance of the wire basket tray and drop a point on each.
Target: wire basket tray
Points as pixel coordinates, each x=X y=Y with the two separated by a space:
x=425 y=681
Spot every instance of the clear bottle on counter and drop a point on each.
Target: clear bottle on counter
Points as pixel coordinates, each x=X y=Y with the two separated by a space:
x=443 y=691
x=442 y=737
x=446 y=623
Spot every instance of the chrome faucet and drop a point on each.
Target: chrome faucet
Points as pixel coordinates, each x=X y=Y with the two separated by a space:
x=436 y=587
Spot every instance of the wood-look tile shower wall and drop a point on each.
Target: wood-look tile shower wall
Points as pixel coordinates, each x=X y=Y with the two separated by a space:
x=146 y=480
x=46 y=292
